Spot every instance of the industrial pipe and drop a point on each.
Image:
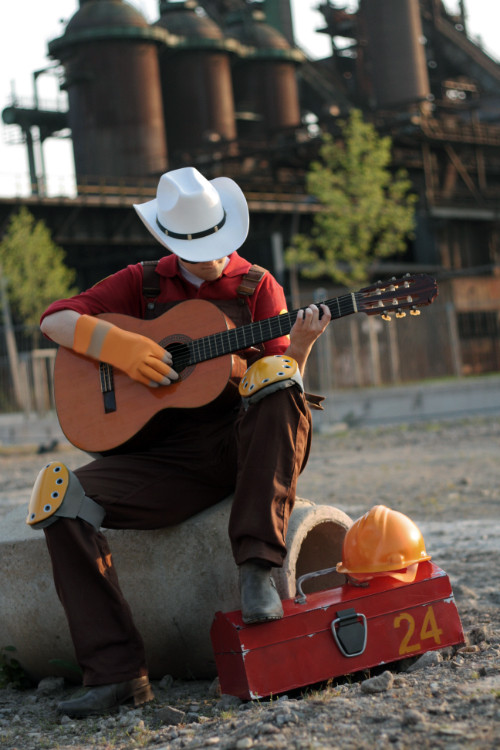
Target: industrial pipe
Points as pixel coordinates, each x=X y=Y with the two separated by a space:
x=174 y=579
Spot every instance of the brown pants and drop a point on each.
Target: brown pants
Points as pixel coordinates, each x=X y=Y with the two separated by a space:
x=258 y=454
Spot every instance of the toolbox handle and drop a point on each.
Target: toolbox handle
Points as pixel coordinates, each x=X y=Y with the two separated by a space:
x=301 y=597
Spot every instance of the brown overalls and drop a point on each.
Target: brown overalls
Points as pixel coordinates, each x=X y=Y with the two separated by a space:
x=256 y=454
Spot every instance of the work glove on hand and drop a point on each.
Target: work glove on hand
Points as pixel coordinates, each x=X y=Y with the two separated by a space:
x=139 y=356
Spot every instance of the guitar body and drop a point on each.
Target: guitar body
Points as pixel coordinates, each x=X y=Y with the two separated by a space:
x=100 y=408
x=77 y=381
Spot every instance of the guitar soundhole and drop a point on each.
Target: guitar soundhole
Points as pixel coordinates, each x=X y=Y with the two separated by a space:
x=180 y=355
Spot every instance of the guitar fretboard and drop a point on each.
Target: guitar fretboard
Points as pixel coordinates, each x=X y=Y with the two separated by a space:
x=238 y=339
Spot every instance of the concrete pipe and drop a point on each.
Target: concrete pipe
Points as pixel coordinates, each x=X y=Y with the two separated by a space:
x=175 y=579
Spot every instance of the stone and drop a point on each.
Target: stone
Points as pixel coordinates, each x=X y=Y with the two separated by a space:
x=429 y=659
x=166 y=682
x=50 y=685
x=412 y=717
x=214 y=690
x=228 y=701
x=378 y=684
x=183 y=592
x=244 y=743
x=170 y=715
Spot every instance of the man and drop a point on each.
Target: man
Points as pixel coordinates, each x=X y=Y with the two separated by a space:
x=256 y=451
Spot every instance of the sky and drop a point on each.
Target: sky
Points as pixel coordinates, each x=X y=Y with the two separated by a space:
x=26 y=26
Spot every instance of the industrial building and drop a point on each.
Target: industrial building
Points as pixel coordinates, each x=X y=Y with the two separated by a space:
x=221 y=84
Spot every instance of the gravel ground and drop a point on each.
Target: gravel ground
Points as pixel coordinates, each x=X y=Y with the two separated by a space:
x=445 y=477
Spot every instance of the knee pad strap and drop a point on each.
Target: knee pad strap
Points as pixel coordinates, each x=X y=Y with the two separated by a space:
x=267 y=375
x=57 y=493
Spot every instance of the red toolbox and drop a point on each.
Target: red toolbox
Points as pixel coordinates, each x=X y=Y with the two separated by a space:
x=336 y=632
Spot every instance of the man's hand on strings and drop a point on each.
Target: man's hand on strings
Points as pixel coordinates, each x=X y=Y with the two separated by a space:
x=311 y=322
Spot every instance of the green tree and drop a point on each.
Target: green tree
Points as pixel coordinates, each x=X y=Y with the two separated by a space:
x=33 y=266
x=368 y=211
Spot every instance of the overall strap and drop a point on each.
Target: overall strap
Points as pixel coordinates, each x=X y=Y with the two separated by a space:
x=250 y=281
x=150 y=279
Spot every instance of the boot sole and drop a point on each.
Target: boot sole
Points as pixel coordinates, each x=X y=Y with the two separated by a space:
x=141 y=696
x=263 y=618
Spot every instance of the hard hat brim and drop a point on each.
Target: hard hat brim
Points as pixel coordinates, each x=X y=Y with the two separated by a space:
x=377 y=569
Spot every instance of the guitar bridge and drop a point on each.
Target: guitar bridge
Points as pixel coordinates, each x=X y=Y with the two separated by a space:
x=107 y=387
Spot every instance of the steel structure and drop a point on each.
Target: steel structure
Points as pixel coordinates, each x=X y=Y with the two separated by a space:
x=218 y=84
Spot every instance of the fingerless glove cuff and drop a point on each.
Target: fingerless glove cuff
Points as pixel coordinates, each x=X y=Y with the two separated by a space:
x=89 y=335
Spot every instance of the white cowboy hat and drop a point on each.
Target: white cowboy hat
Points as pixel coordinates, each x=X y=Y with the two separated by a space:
x=195 y=218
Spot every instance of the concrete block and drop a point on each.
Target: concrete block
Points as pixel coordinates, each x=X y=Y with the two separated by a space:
x=174 y=579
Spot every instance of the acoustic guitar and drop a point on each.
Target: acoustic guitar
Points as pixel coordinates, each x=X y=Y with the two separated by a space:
x=100 y=408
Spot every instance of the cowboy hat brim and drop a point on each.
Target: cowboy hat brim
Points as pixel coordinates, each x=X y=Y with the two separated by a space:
x=223 y=242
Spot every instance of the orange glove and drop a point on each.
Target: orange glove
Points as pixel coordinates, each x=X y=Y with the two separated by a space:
x=139 y=356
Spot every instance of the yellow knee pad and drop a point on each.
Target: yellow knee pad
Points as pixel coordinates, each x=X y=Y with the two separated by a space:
x=57 y=493
x=267 y=375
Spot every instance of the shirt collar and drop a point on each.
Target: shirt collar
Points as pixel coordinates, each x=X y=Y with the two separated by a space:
x=167 y=266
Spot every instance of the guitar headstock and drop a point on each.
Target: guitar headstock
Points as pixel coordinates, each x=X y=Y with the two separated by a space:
x=395 y=296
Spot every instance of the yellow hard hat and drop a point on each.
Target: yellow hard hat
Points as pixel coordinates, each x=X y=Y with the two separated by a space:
x=382 y=542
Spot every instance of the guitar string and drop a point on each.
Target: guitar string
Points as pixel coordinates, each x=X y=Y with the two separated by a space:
x=227 y=342
x=237 y=339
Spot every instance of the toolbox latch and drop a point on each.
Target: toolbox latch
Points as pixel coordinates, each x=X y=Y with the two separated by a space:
x=349 y=631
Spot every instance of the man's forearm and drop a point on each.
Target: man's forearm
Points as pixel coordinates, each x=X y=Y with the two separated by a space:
x=60 y=327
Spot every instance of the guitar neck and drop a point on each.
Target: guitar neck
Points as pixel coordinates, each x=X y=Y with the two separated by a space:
x=252 y=334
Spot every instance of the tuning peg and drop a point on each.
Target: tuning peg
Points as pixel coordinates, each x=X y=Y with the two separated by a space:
x=414 y=311
x=386 y=316
x=400 y=314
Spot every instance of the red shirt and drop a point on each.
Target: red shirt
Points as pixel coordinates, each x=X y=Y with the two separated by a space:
x=122 y=293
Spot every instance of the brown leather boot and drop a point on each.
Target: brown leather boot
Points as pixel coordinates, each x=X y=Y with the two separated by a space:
x=260 y=600
x=104 y=699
